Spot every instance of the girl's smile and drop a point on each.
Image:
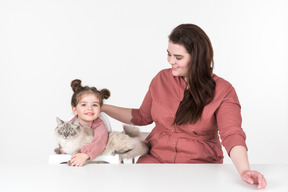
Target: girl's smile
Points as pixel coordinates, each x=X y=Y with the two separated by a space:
x=89 y=114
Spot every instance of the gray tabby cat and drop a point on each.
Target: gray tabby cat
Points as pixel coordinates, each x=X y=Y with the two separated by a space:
x=71 y=136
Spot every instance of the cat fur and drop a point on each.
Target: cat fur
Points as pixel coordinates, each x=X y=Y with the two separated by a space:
x=72 y=143
x=128 y=144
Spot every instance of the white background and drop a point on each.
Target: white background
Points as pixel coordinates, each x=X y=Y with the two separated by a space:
x=121 y=45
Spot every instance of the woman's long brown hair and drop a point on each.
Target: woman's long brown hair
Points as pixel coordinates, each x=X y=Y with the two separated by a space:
x=200 y=83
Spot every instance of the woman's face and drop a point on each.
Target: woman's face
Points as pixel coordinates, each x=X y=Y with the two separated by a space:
x=179 y=59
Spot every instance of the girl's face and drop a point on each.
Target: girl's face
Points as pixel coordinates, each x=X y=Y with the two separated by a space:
x=87 y=109
x=179 y=59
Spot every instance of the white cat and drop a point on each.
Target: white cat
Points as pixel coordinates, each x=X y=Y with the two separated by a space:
x=128 y=144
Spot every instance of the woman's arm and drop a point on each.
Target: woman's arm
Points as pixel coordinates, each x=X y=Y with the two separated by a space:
x=239 y=157
x=119 y=113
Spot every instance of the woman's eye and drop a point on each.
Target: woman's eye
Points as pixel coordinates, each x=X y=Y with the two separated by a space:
x=95 y=105
x=83 y=105
x=178 y=58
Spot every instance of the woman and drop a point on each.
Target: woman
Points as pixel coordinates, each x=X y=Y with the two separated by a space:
x=190 y=105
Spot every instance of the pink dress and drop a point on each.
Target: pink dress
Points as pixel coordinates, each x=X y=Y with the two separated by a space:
x=189 y=143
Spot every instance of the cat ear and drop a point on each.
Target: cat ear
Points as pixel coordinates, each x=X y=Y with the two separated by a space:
x=59 y=121
x=76 y=122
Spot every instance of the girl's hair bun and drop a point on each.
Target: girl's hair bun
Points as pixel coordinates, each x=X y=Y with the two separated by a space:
x=76 y=85
x=105 y=93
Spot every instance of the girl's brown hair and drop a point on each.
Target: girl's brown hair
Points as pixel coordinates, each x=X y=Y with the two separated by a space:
x=200 y=83
x=79 y=90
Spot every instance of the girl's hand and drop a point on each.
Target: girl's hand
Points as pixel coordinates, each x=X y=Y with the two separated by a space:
x=254 y=177
x=79 y=159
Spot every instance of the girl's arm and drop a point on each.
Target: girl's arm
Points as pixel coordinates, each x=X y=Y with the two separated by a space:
x=119 y=113
x=239 y=157
x=94 y=149
x=99 y=142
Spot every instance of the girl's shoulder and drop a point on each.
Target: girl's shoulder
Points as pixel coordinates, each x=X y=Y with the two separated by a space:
x=97 y=122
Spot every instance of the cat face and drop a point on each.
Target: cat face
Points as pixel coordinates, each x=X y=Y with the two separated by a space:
x=67 y=130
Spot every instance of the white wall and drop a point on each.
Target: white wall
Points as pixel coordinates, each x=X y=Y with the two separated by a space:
x=121 y=45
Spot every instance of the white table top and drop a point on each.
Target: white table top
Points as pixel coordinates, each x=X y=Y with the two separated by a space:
x=136 y=177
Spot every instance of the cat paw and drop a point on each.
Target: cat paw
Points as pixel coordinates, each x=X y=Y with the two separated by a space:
x=57 y=151
x=68 y=163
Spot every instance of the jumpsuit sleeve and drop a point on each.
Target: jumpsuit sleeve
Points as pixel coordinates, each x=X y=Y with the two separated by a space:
x=99 y=142
x=142 y=116
x=229 y=121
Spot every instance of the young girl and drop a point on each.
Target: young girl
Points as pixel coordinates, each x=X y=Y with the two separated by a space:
x=86 y=105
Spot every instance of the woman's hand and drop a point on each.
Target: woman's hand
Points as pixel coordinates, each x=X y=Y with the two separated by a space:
x=239 y=157
x=254 y=177
x=79 y=159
